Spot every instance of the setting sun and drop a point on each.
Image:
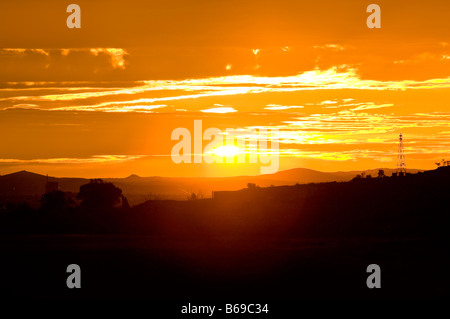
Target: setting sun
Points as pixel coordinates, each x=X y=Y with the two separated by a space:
x=226 y=150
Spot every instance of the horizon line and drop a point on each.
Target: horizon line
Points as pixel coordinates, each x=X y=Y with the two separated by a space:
x=206 y=177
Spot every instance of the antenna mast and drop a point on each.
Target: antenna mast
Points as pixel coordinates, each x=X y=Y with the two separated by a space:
x=401 y=164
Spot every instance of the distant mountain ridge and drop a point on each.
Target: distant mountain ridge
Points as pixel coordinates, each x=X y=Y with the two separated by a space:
x=139 y=189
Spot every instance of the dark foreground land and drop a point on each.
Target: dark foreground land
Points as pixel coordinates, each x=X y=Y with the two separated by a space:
x=296 y=242
x=145 y=267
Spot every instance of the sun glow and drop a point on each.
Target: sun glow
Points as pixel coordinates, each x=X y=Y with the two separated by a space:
x=227 y=150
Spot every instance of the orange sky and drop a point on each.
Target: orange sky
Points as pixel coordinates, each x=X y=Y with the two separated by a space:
x=102 y=101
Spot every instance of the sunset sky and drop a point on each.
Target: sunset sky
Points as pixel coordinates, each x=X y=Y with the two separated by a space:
x=103 y=100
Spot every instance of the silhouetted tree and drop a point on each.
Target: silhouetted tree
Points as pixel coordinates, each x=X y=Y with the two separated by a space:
x=381 y=173
x=125 y=204
x=99 y=195
x=251 y=185
x=192 y=196
x=55 y=201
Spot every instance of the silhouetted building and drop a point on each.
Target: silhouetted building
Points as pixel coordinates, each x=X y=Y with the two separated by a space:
x=51 y=186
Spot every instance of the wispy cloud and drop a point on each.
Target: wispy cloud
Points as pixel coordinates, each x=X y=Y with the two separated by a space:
x=330 y=46
x=219 y=110
x=116 y=55
x=371 y=105
x=92 y=159
x=277 y=107
x=331 y=79
x=23 y=106
x=25 y=51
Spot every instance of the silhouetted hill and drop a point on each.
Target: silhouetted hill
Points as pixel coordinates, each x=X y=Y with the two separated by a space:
x=374 y=172
x=25 y=183
x=132 y=177
x=22 y=182
x=305 y=176
x=413 y=205
x=139 y=189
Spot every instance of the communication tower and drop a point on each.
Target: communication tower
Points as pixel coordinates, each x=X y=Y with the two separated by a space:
x=401 y=164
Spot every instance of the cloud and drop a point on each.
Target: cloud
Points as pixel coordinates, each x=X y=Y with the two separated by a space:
x=92 y=159
x=65 y=52
x=423 y=57
x=219 y=110
x=23 y=106
x=331 y=47
x=26 y=51
x=339 y=156
x=327 y=102
x=369 y=106
x=166 y=91
x=130 y=108
x=276 y=107
x=116 y=55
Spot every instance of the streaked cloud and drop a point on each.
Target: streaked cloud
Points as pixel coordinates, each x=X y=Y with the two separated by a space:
x=116 y=55
x=23 y=106
x=165 y=91
x=93 y=159
x=276 y=107
x=369 y=106
x=421 y=57
x=331 y=46
x=224 y=109
x=25 y=51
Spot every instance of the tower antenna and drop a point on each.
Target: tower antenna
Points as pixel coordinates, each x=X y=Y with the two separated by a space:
x=401 y=164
